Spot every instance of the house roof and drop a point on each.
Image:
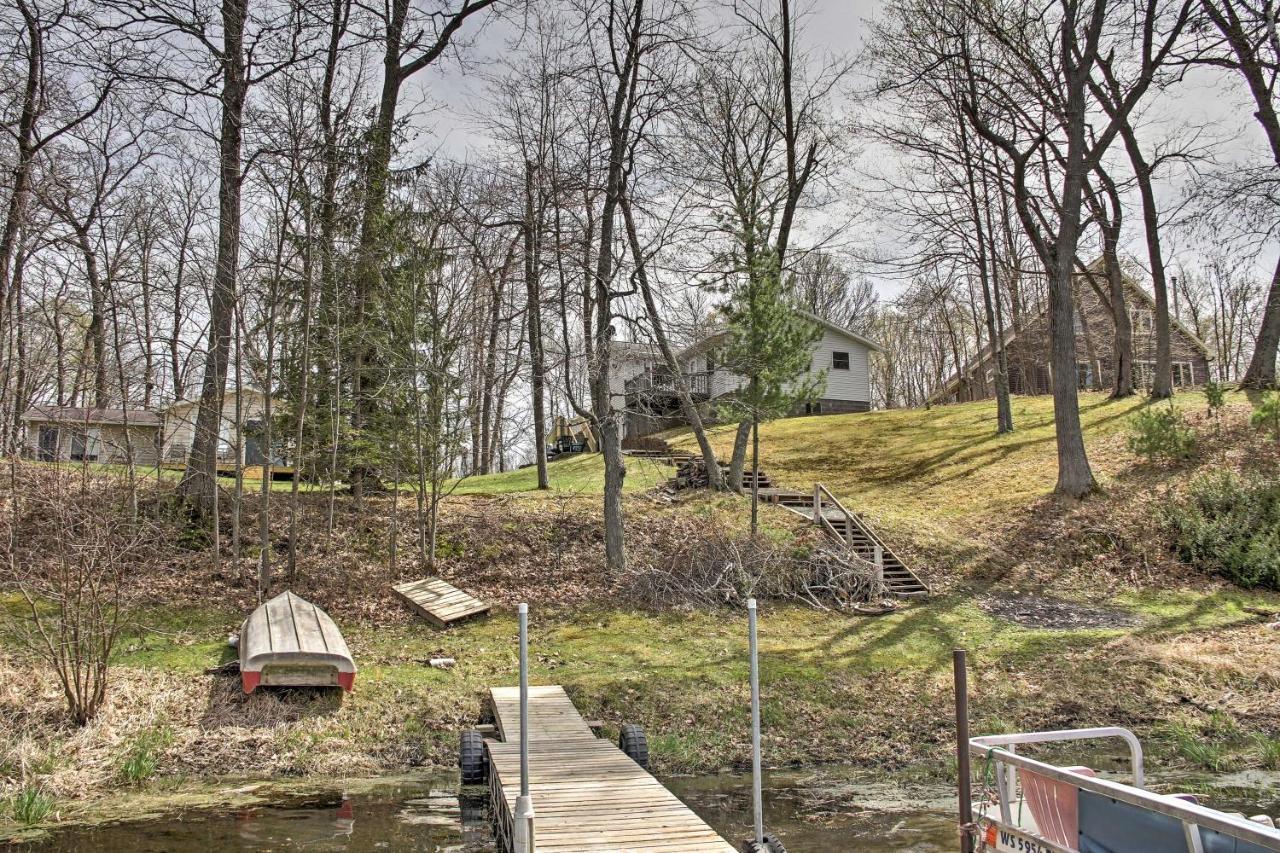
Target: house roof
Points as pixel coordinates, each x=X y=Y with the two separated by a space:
x=720 y=331
x=841 y=330
x=77 y=415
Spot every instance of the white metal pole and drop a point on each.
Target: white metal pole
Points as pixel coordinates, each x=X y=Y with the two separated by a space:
x=757 y=804
x=524 y=803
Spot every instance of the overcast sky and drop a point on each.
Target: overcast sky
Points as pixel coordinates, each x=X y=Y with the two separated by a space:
x=446 y=103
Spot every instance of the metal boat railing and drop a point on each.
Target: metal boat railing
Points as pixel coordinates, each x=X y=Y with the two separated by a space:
x=1002 y=750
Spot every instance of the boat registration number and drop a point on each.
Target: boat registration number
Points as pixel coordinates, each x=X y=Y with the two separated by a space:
x=998 y=838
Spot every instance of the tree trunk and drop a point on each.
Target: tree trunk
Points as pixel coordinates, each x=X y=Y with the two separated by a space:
x=1122 y=351
x=1261 y=372
x=200 y=478
x=1162 y=381
x=738 y=460
x=533 y=297
x=687 y=407
x=20 y=189
x=1075 y=478
x=604 y=415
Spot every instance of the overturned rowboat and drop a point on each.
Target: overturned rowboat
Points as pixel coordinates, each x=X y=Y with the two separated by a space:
x=289 y=642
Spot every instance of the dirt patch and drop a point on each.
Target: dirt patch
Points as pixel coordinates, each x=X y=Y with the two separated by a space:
x=1036 y=611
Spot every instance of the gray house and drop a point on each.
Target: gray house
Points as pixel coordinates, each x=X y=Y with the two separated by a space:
x=644 y=388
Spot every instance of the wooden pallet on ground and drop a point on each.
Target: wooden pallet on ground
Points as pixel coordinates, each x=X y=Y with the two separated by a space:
x=439 y=601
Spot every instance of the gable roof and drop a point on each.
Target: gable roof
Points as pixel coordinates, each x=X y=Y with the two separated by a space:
x=72 y=415
x=841 y=330
x=722 y=330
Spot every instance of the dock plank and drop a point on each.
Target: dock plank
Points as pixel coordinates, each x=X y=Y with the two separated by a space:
x=587 y=794
x=439 y=601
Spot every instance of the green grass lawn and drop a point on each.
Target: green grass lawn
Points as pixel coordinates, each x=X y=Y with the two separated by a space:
x=579 y=474
x=684 y=675
x=945 y=464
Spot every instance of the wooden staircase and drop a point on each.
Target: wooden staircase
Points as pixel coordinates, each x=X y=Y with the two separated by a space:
x=824 y=509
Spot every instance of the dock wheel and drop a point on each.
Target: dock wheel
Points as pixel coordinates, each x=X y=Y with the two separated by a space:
x=771 y=845
x=472 y=760
x=632 y=741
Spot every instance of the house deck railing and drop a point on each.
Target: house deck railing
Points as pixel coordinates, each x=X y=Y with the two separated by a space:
x=662 y=382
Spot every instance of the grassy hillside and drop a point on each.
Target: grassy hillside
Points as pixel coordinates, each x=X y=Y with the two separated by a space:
x=580 y=474
x=940 y=464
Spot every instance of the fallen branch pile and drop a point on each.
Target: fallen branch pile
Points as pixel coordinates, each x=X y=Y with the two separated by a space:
x=717 y=568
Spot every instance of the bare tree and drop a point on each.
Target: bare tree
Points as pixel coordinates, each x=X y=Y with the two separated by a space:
x=1252 y=50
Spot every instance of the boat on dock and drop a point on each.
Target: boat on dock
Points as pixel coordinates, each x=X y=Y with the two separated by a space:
x=1029 y=806
x=290 y=642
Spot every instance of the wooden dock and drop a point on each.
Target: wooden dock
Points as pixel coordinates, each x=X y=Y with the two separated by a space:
x=439 y=601
x=587 y=794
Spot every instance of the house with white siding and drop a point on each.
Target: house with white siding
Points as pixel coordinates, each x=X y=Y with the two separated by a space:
x=178 y=428
x=648 y=394
x=80 y=434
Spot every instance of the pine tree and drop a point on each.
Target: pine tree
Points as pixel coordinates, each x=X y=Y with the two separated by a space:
x=770 y=344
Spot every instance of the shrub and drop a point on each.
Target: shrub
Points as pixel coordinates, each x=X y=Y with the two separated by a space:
x=1268 y=751
x=1161 y=434
x=1215 y=395
x=68 y=570
x=1199 y=750
x=30 y=805
x=1267 y=414
x=1230 y=525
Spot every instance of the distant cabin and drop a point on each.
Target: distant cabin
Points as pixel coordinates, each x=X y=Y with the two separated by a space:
x=87 y=434
x=76 y=434
x=643 y=388
x=1027 y=348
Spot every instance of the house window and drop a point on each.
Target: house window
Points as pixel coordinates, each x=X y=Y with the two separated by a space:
x=1144 y=374
x=84 y=444
x=1084 y=375
x=840 y=360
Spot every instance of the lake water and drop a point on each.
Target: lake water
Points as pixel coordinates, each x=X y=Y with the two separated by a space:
x=426 y=814
x=820 y=811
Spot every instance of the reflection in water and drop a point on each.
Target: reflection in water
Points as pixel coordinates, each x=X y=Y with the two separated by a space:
x=825 y=812
x=421 y=815
x=809 y=813
x=816 y=812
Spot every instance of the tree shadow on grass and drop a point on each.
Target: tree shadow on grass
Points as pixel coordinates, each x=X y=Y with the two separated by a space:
x=994 y=448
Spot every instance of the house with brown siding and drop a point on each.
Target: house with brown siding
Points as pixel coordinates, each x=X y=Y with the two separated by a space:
x=1027 y=348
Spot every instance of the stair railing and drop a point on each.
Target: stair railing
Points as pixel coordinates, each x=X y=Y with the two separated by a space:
x=819 y=493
